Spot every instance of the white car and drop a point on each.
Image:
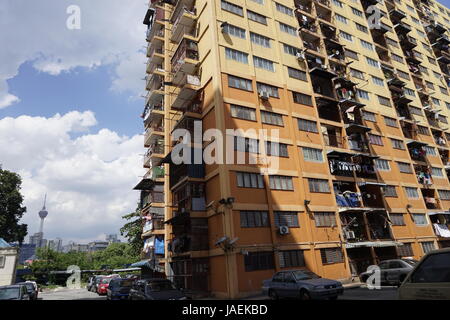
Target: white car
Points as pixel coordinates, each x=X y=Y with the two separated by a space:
x=430 y=278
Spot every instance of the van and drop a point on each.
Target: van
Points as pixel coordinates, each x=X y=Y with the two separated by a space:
x=430 y=278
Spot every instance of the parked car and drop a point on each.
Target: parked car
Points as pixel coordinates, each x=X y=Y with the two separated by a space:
x=96 y=282
x=31 y=288
x=391 y=271
x=103 y=286
x=155 y=289
x=119 y=289
x=14 y=292
x=302 y=284
x=430 y=278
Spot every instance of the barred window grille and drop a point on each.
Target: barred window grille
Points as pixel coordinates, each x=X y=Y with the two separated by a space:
x=405 y=250
x=397 y=219
x=331 y=255
x=325 y=219
x=286 y=218
x=291 y=258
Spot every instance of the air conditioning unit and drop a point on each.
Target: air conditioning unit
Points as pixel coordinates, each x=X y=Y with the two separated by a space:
x=350 y=235
x=283 y=230
x=301 y=56
x=264 y=95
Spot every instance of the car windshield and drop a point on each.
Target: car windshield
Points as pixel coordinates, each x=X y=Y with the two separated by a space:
x=305 y=275
x=106 y=281
x=411 y=262
x=29 y=286
x=160 y=286
x=9 y=293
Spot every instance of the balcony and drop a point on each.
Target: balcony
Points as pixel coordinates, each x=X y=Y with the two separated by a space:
x=184 y=60
x=402 y=28
x=323 y=3
x=443 y=57
x=190 y=85
x=332 y=137
x=183 y=172
x=396 y=15
x=304 y=6
x=153 y=133
x=153 y=113
x=409 y=130
x=404 y=113
x=417 y=151
x=360 y=228
x=356 y=140
x=190 y=234
x=381 y=29
x=156 y=57
x=156 y=150
x=408 y=42
x=184 y=24
x=308 y=26
x=401 y=99
x=328 y=109
x=155 y=173
x=423 y=175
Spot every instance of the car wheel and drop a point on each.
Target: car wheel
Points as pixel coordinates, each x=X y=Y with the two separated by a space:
x=304 y=295
x=273 y=295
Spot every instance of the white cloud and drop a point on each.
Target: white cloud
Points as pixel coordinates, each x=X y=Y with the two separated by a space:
x=111 y=33
x=88 y=177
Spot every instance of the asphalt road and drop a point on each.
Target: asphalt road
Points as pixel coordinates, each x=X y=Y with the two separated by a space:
x=385 y=293
x=70 y=294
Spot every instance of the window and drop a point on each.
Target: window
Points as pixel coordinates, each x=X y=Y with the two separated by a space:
x=276 y=149
x=236 y=55
x=249 y=180
x=423 y=130
x=351 y=54
x=307 y=125
x=256 y=17
x=271 y=90
x=228 y=6
x=2 y=261
x=390 y=122
x=357 y=12
x=430 y=151
x=375 y=139
x=384 y=101
x=346 y=36
x=271 y=118
x=444 y=194
x=357 y=74
x=415 y=110
x=243 y=112
x=366 y=44
x=378 y=81
x=362 y=94
x=420 y=219
x=372 y=62
x=411 y=193
x=290 y=49
x=369 y=116
x=409 y=92
x=341 y=18
x=361 y=28
x=397 y=58
x=331 y=255
x=288 y=29
x=404 y=167
x=382 y=165
x=337 y=3
x=443 y=90
x=436 y=172
x=286 y=218
x=405 y=250
x=427 y=246
x=260 y=40
x=296 y=74
x=243 y=144
x=390 y=191
x=313 y=155
x=234 y=31
x=392 y=42
x=239 y=83
x=402 y=74
x=284 y=9
x=254 y=219
x=397 y=219
x=291 y=258
x=281 y=183
x=325 y=219
x=318 y=185
x=263 y=64
x=302 y=98
x=259 y=1
x=397 y=144
x=262 y=260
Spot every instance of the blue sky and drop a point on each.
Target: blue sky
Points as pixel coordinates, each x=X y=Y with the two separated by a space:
x=82 y=89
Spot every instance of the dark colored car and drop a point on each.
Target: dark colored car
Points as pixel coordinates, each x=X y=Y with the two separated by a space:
x=392 y=271
x=14 y=292
x=97 y=280
x=302 y=284
x=119 y=289
x=155 y=289
x=32 y=290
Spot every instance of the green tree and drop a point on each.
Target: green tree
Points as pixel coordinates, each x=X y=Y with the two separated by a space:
x=11 y=209
x=132 y=230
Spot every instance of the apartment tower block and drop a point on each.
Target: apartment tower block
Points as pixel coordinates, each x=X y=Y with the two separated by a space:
x=354 y=98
